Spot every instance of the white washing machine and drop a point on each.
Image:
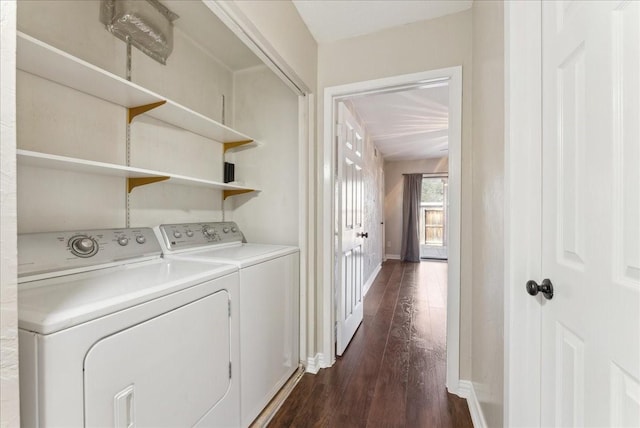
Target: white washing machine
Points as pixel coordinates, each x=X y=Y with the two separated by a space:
x=269 y=303
x=113 y=335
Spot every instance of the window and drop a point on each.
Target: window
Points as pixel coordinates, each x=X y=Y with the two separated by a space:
x=433 y=211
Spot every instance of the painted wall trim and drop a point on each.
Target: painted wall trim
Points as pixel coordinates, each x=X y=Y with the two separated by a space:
x=467 y=390
x=303 y=220
x=327 y=210
x=522 y=202
x=372 y=277
x=9 y=359
x=315 y=363
x=392 y=256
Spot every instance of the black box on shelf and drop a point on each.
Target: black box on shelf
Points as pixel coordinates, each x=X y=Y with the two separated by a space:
x=229 y=172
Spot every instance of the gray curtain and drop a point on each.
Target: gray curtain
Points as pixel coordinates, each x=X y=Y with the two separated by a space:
x=410 y=250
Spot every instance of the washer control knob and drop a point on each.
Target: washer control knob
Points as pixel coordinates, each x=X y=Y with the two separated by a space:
x=123 y=240
x=177 y=234
x=209 y=231
x=189 y=233
x=83 y=246
x=140 y=239
x=234 y=229
x=225 y=229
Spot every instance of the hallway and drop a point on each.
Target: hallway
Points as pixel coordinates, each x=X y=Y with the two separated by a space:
x=393 y=372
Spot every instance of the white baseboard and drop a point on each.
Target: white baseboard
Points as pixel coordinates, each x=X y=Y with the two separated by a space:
x=466 y=390
x=315 y=363
x=372 y=277
x=392 y=256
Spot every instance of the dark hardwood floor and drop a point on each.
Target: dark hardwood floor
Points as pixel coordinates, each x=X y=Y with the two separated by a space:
x=393 y=372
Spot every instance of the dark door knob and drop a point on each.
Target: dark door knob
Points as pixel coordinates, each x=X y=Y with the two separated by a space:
x=546 y=288
x=365 y=234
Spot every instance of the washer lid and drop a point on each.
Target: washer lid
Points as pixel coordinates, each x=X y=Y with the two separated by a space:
x=50 y=305
x=241 y=255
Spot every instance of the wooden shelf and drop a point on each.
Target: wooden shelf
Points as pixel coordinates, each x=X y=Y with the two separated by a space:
x=136 y=176
x=50 y=63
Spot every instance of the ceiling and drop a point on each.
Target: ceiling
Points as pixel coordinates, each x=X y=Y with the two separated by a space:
x=331 y=20
x=408 y=124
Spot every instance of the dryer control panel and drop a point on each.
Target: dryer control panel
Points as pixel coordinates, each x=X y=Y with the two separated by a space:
x=40 y=253
x=189 y=235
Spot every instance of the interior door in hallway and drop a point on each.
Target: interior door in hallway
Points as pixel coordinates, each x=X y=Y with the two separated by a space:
x=590 y=214
x=349 y=227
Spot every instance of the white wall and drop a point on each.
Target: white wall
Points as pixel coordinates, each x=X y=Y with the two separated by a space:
x=488 y=208
x=55 y=119
x=393 y=185
x=425 y=45
x=9 y=389
x=266 y=109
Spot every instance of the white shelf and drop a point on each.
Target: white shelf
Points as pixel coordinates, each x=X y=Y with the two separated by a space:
x=44 y=160
x=50 y=63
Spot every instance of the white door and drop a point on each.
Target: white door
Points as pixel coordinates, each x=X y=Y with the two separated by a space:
x=590 y=358
x=349 y=229
x=169 y=371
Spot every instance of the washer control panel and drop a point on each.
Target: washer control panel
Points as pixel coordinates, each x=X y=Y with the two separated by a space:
x=57 y=251
x=189 y=235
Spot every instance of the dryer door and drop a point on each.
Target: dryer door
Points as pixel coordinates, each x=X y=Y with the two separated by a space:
x=166 y=372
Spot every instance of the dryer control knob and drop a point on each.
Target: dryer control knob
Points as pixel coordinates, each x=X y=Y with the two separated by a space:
x=140 y=239
x=123 y=240
x=83 y=246
x=225 y=229
x=177 y=234
x=234 y=229
x=208 y=231
x=189 y=233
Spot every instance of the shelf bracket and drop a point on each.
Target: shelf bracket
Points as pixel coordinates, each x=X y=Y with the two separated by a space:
x=233 y=192
x=234 y=144
x=133 y=182
x=136 y=111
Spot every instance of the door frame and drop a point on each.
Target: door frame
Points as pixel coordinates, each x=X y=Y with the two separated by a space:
x=523 y=211
x=327 y=213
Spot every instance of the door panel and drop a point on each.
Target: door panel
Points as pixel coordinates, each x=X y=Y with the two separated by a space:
x=590 y=356
x=166 y=372
x=569 y=385
x=350 y=146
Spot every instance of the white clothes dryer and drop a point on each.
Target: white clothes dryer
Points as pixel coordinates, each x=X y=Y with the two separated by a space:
x=269 y=303
x=113 y=335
